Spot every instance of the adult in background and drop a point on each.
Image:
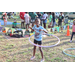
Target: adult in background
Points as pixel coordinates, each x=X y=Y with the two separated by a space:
x=60 y=20
x=40 y=16
x=26 y=19
x=44 y=18
x=22 y=19
x=5 y=19
x=33 y=16
x=53 y=19
x=50 y=19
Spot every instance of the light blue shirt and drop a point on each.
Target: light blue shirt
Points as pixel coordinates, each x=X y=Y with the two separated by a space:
x=38 y=34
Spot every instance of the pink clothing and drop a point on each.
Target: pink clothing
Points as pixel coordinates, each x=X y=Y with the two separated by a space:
x=73 y=28
x=5 y=19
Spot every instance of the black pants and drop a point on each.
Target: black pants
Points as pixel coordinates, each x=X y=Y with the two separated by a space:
x=72 y=35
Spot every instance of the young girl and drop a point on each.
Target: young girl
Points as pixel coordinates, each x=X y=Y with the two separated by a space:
x=73 y=30
x=38 y=37
x=5 y=19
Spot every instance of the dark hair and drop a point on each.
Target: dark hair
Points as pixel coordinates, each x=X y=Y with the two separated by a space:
x=49 y=12
x=25 y=12
x=53 y=14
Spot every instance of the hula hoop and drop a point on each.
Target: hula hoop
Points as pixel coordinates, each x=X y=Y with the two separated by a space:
x=44 y=46
x=68 y=54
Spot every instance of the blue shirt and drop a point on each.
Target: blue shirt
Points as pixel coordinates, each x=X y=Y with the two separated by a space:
x=38 y=34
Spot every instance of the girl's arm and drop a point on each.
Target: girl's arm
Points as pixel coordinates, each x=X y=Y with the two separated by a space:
x=43 y=30
x=31 y=28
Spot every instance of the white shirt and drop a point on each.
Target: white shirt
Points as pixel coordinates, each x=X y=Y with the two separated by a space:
x=26 y=16
x=44 y=16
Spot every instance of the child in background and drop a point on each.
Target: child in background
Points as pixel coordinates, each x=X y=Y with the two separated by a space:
x=14 y=24
x=22 y=19
x=53 y=19
x=60 y=20
x=5 y=19
x=44 y=18
x=26 y=19
x=38 y=37
x=73 y=30
x=50 y=19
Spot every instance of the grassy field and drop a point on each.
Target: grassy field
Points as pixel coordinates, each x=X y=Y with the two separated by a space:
x=20 y=49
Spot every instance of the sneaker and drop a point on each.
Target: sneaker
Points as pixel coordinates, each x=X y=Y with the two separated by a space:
x=70 y=40
x=42 y=60
x=32 y=58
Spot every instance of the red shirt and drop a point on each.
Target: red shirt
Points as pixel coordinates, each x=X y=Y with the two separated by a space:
x=22 y=15
x=73 y=28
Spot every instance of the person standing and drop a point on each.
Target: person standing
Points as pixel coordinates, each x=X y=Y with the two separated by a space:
x=5 y=19
x=44 y=18
x=33 y=16
x=22 y=19
x=26 y=19
x=73 y=30
x=60 y=20
x=50 y=19
x=53 y=19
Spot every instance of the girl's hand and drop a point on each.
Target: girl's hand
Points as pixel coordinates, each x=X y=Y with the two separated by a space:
x=30 y=27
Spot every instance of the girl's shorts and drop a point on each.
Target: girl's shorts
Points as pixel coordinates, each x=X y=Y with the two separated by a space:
x=37 y=42
x=45 y=21
x=32 y=20
x=22 y=20
x=26 y=22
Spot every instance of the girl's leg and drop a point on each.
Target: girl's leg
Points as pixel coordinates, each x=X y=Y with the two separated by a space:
x=45 y=25
x=41 y=52
x=21 y=25
x=5 y=24
x=72 y=35
x=53 y=24
x=34 y=50
x=26 y=26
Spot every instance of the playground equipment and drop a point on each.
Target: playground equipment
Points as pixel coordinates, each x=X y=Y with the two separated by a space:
x=69 y=54
x=45 y=46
